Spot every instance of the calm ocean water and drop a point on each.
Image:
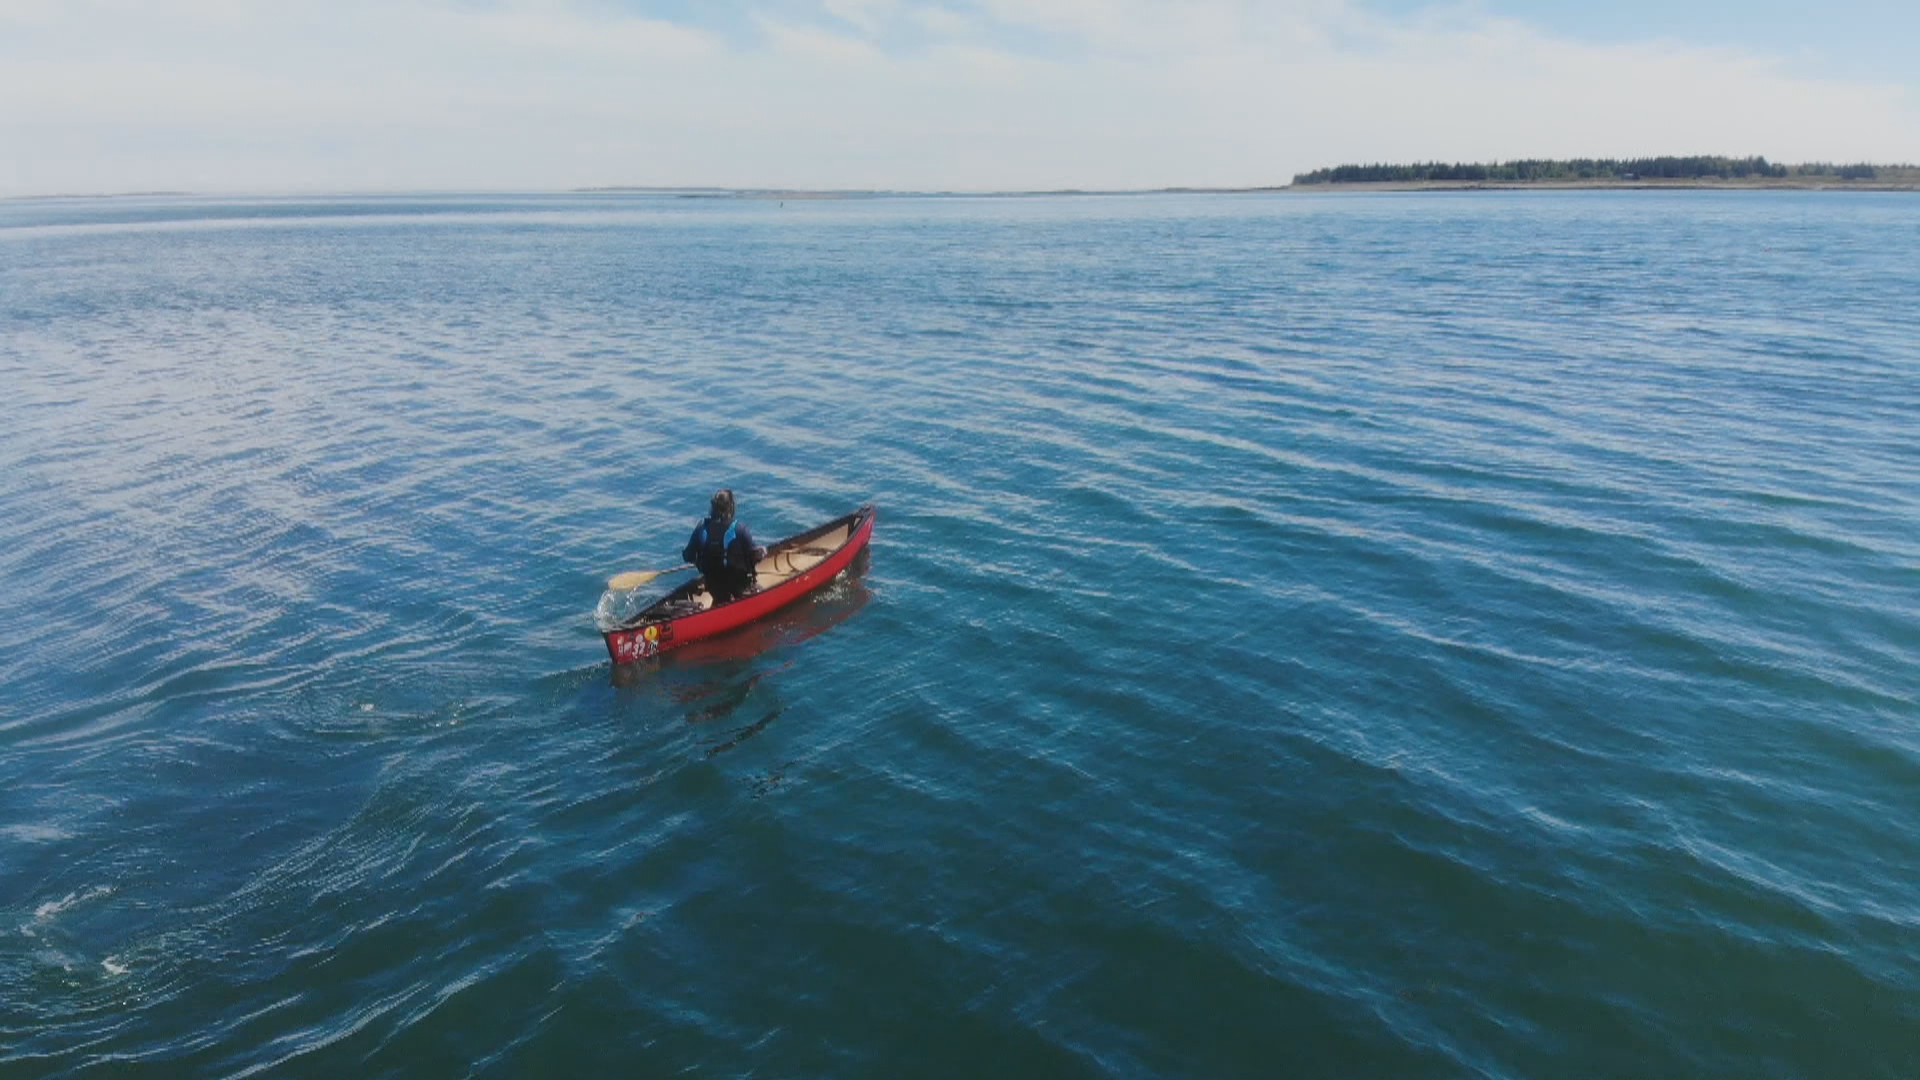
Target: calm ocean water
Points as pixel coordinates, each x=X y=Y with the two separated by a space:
x=1322 y=636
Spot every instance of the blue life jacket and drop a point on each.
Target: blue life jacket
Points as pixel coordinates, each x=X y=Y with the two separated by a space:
x=709 y=558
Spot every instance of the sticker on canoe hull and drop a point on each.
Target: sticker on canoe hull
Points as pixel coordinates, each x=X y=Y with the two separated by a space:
x=633 y=645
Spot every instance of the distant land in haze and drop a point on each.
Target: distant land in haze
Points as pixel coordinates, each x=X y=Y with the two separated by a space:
x=1700 y=171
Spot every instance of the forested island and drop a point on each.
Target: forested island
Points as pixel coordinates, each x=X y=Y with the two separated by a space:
x=1701 y=170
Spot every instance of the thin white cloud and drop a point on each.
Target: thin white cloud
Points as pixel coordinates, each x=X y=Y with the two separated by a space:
x=829 y=53
x=104 y=95
x=945 y=23
x=868 y=15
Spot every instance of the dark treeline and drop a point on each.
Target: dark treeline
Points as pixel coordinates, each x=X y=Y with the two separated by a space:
x=1844 y=172
x=1654 y=168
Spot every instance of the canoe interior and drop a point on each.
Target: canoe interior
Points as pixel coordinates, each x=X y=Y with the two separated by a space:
x=785 y=559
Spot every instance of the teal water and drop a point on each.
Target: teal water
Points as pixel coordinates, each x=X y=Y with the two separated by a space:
x=1344 y=636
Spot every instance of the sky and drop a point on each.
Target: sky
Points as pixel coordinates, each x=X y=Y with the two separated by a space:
x=268 y=96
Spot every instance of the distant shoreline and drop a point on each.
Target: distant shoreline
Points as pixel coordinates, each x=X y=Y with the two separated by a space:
x=1707 y=184
x=1703 y=184
x=1709 y=172
x=852 y=193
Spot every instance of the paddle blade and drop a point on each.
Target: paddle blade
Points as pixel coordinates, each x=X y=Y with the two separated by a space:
x=633 y=579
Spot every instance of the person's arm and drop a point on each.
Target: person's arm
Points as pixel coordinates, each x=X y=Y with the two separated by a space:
x=691 y=553
x=744 y=537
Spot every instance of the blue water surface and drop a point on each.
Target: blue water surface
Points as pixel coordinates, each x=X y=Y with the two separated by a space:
x=1305 y=635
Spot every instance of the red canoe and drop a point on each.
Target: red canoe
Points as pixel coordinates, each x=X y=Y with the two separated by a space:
x=793 y=568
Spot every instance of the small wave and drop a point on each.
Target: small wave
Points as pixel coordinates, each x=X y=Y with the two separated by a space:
x=47 y=913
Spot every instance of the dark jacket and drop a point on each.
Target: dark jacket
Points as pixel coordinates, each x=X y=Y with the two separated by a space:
x=728 y=573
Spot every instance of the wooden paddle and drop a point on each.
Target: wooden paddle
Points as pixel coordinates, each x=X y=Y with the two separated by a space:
x=633 y=579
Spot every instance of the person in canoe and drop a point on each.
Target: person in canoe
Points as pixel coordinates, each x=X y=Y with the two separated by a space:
x=723 y=550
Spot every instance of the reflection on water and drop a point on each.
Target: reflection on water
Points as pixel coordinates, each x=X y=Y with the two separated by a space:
x=834 y=604
x=742 y=734
x=718 y=679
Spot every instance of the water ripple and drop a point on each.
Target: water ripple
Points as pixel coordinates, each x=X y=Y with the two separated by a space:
x=1365 y=636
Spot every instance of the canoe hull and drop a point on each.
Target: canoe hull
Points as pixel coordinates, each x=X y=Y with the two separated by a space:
x=663 y=626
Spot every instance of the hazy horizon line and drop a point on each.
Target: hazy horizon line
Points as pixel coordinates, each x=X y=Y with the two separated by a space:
x=659 y=189
x=722 y=190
